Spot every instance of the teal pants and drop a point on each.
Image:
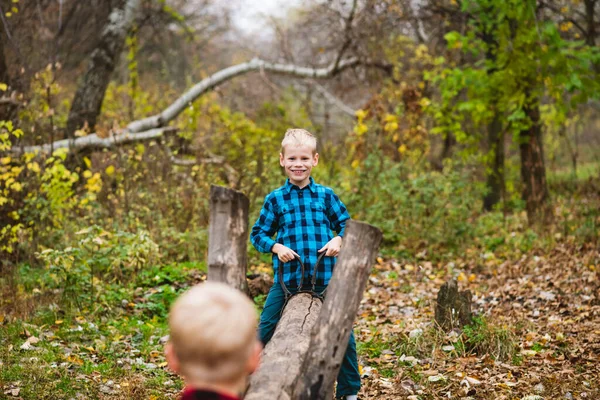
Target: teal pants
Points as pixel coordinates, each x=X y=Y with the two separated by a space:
x=348 y=379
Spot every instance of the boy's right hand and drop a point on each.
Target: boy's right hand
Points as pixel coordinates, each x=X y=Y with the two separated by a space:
x=284 y=253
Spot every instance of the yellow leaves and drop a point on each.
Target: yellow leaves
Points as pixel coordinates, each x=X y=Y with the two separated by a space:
x=391 y=123
x=402 y=149
x=74 y=359
x=421 y=52
x=110 y=170
x=3 y=87
x=34 y=167
x=360 y=129
x=5 y=160
x=462 y=277
x=565 y=26
x=360 y=114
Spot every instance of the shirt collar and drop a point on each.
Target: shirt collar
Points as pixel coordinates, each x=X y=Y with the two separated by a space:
x=311 y=185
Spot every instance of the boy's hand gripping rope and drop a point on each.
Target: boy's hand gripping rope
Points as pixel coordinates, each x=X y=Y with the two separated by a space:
x=313 y=282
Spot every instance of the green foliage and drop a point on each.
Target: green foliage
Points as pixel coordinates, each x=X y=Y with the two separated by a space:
x=10 y=190
x=99 y=257
x=481 y=337
x=416 y=209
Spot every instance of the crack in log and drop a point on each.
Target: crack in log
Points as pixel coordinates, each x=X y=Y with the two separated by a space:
x=307 y=315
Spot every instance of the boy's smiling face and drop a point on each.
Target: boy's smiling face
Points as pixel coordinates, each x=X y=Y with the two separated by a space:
x=298 y=162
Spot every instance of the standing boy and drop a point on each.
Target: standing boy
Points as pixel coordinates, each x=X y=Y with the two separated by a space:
x=213 y=343
x=303 y=214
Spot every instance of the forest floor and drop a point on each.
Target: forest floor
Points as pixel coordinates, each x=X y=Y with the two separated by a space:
x=536 y=333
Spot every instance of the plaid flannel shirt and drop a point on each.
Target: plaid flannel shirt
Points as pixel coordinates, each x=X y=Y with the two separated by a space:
x=303 y=220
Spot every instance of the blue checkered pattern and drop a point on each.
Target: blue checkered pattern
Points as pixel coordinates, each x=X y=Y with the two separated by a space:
x=303 y=220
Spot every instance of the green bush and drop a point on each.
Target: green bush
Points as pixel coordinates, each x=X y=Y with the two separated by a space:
x=97 y=259
x=416 y=208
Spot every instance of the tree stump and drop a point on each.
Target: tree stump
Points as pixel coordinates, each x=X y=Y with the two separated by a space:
x=453 y=308
x=228 y=237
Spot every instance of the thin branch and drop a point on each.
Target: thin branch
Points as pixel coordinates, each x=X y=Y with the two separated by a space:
x=564 y=19
x=334 y=100
x=10 y=101
x=348 y=38
x=8 y=35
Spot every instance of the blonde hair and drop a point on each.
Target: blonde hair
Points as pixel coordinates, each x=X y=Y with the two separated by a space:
x=213 y=332
x=299 y=137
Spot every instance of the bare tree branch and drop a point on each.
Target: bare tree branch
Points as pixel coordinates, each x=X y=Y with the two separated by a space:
x=347 y=32
x=334 y=100
x=93 y=141
x=153 y=127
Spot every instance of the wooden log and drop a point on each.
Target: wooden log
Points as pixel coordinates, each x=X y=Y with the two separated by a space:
x=282 y=357
x=330 y=335
x=228 y=237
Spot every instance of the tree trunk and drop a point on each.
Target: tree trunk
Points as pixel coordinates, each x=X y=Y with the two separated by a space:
x=495 y=142
x=6 y=108
x=228 y=237
x=533 y=169
x=330 y=335
x=283 y=355
x=495 y=177
x=90 y=92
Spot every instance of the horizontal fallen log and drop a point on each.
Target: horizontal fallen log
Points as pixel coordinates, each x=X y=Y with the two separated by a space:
x=94 y=142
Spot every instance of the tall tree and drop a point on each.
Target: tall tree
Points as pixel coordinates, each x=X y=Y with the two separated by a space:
x=521 y=60
x=103 y=60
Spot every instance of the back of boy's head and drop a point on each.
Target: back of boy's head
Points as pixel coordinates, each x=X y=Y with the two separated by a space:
x=213 y=333
x=299 y=137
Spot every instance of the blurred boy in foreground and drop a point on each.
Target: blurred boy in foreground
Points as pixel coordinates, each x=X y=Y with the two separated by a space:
x=213 y=343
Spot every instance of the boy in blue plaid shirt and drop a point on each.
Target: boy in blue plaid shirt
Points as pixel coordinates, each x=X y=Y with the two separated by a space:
x=303 y=214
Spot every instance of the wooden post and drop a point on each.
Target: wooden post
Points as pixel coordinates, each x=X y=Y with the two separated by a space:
x=282 y=357
x=228 y=237
x=330 y=335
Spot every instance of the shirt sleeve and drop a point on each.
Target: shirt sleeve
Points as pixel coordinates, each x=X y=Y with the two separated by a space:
x=337 y=214
x=265 y=227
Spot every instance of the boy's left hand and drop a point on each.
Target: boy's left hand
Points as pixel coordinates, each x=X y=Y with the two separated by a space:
x=333 y=247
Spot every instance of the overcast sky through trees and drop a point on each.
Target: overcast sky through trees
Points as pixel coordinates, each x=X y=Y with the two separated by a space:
x=251 y=15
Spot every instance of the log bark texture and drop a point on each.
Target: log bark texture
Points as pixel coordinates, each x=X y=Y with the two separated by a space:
x=330 y=335
x=282 y=357
x=103 y=60
x=228 y=237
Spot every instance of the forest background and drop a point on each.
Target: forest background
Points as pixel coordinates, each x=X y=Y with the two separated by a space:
x=466 y=130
